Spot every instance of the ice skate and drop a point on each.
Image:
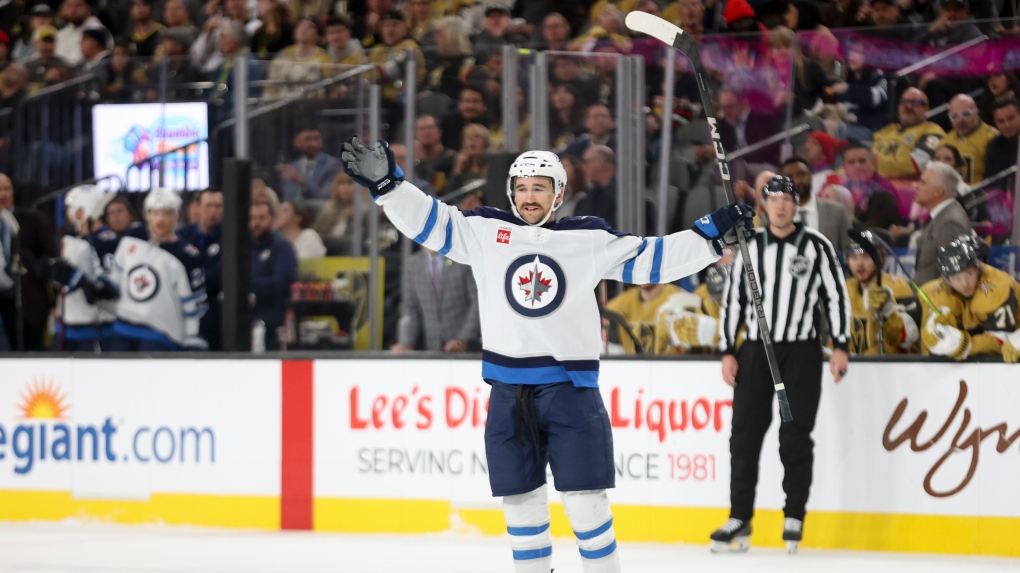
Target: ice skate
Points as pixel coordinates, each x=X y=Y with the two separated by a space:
x=793 y=531
x=733 y=536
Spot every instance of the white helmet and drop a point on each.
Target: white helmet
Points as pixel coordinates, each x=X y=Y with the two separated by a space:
x=162 y=198
x=91 y=199
x=538 y=164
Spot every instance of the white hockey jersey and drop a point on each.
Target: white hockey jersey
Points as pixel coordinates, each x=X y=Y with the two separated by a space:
x=536 y=286
x=77 y=312
x=162 y=289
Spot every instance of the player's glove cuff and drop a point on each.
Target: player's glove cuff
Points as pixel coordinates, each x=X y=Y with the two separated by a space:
x=721 y=227
x=374 y=168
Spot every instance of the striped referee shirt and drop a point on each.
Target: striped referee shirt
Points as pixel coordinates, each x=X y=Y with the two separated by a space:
x=796 y=274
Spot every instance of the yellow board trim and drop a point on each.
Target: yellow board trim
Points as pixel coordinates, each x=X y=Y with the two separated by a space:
x=236 y=511
x=825 y=529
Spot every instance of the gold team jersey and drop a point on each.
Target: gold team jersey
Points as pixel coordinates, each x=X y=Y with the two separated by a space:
x=864 y=327
x=381 y=55
x=902 y=152
x=993 y=308
x=973 y=149
x=700 y=302
x=641 y=315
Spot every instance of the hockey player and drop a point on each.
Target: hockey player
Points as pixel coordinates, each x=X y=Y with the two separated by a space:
x=890 y=306
x=86 y=322
x=540 y=333
x=978 y=305
x=693 y=324
x=161 y=282
x=640 y=308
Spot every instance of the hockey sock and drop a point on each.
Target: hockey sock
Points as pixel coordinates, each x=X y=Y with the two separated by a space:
x=592 y=522
x=527 y=522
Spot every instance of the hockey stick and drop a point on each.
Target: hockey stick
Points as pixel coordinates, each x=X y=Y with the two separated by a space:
x=672 y=35
x=920 y=293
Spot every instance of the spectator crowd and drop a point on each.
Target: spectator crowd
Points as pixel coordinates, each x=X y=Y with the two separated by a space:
x=922 y=160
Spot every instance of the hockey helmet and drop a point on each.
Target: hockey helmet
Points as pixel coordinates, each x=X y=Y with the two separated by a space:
x=538 y=164
x=715 y=279
x=957 y=256
x=162 y=198
x=869 y=243
x=90 y=199
x=979 y=246
x=778 y=186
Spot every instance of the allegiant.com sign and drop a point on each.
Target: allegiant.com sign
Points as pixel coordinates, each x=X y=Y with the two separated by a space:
x=44 y=434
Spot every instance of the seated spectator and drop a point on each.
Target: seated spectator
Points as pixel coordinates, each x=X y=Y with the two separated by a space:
x=904 y=149
x=144 y=29
x=419 y=174
x=820 y=150
x=879 y=300
x=368 y=24
x=997 y=86
x=294 y=223
x=175 y=15
x=566 y=116
x=600 y=130
x=867 y=93
x=309 y=176
x=180 y=73
x=429 y=150
x=204 y=50
x=577 y=186
x=264 y=194
x=439 y=307
x=14 y=86
x=796 y=80
x=936 y=192
x=471 y=108
x=389 y=57
x=336 y=217
x=472 y=161
x=609 y=25
x=125 y=75
x=318 y=9
x=299 y=65
x=24 y=47
x=566 y=69
x=421 y=21
x=487 y=73
x=977 y=304
x=833 y=191
x=497 y=31
x=46 y=59
x=453 y=57
x=341 y=45
x=233 y=43
x=863 y=181
x=555 y=32
x=969 y=136
x=740 y=127
x=600 y=171
x=77 y=15
x=1002 y=149
x=273 y=269
x=95 y=55
x=276 y=32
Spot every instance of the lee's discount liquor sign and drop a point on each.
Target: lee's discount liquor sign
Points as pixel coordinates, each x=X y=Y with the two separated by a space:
x=892 y=438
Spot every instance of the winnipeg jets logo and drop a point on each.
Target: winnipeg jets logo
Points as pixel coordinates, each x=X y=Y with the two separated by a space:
x=535 y=285
x=143 y=283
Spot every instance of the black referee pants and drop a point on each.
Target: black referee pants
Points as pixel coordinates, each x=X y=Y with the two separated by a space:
x=800 y=364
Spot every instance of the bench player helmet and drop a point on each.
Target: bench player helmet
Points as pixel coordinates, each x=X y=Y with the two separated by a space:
x=956 y=257
x=538 y=164
x=162 y=198
x=90 y=200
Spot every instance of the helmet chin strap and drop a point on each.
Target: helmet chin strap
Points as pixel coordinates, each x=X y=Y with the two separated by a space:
x=556 y=205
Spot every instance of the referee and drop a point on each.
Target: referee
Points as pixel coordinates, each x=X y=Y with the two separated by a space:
x=800 y=278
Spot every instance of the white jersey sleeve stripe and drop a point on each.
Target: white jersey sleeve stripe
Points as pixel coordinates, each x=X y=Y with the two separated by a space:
x=430 y=223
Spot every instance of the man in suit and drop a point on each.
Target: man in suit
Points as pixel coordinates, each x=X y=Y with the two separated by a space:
x=32 y=237
x=741 y=127
x=828 y=217
x=440 y=306
x=936 y=192
x=310 y=175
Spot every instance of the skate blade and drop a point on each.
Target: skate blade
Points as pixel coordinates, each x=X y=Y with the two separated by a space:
x=738 y=545
x=791 y=547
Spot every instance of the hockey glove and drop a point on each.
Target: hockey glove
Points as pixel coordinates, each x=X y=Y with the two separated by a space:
x=196 y=343
x=696 y=331
x=943 y=338
x=1011 y=348
x=98 y=290
x=721 y=227
x=374 y=168
x=879 y=300
x=63 y=273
